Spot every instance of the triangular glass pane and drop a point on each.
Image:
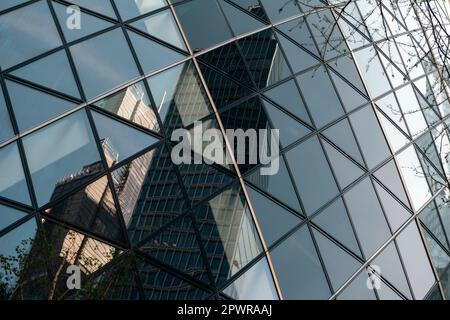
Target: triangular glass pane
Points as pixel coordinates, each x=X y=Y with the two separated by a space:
x=252 y=6
x=179 y=96
x=104 y=62
x=153 y=56
x=388 y=104
x=323 y=105
x=52 y=71
x=255 y=284
x=346 y=67
x=287 y=96
x=132 y=104
x=340 y=265
x=349 y=96
x=344 y=169
x=389 y=176
x=290 y=129
x=389 y=266
x=101 y=6
x=330 y=41
x=239 y=21
x=264 y=58
x=65 y=149
x=299 y=271
x=429 y=216
x=161 y=25
x=149 y=194
x=297 y=57
x=312 y=174
x=229 y=60
x=385 y=292
x=278 y=185
x=12 y=183
x=224 y=90
x=395 y=212
x=357 y=289
x=274 y=220
x=434 y=178
x=120 y=141
x=9 y=215
x=32 y=107
x=161 y=285
x=397 y=138
x=88 y=23
x=335 y=221
x=177 y=246
x=298 y=30
x=342 y=136
x=6 y=130
x=91 y=209
x=131 y=9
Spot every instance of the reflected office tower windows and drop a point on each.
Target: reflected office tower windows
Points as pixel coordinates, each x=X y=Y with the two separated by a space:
x=357 y=91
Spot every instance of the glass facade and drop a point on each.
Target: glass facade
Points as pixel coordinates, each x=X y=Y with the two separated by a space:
x=92 y=91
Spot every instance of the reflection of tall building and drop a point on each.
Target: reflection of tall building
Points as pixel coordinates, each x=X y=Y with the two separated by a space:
x=225 y=224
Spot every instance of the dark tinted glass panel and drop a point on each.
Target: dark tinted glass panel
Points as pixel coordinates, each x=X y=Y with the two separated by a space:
x=148 y=192
x=9 y=215
x=198 y=18
x=371 y=139
x=323 y=104
x=298 y=268
x=177 y=246
x=367 y=216
x=312 y=174
x=160 y=285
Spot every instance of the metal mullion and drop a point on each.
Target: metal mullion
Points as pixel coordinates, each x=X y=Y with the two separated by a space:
x=241 y=181
x=21 y=149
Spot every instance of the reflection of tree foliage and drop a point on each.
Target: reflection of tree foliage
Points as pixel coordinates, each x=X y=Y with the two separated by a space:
x=37 y=269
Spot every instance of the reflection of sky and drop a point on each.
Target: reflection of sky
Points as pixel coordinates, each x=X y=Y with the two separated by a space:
x=255 y=284
x=58 y=150
x=413 y=174
x=25 y=33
